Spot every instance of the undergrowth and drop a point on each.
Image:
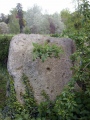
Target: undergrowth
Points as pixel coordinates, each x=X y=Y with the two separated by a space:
x=3 y=82
x=70 y=104
x=4 y=47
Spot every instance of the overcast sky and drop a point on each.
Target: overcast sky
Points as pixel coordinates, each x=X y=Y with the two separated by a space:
x=51 y=6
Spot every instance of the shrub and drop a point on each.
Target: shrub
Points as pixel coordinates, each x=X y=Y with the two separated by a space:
x=3 y=81
x=4 y=47
x=26 y=30
x=4 y=28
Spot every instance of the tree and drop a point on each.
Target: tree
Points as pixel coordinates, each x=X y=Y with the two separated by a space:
x=2 y=17
x=4 y=28
x=33 y=17
x=85 y=13
x=20 y=16
x=43 y=23
x=72 y=21
x=65 y=14
x=59 y=24
x=80 y=21
x=52 y=26
x=13 y=22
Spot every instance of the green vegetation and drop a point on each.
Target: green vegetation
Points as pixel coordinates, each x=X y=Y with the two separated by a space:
x=29 y=110
x=70 y=104
x=13 y=22
x=4 y=47
x=46 y=50
x=15 y=110
x=3 y=80
x=20 y=16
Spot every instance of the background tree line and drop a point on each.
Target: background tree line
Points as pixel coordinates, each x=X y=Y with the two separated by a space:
x=33 y=21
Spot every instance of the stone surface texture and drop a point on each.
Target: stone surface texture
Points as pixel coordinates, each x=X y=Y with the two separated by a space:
x=50 y=76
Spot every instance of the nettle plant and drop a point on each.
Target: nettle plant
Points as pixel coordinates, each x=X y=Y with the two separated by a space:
x=43 y=51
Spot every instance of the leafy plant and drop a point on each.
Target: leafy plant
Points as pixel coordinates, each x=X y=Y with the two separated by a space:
x=46 y=50
x=29 y=101
x=4 y=47
x=16 y=110
x=46 y=109
x=3 y=81
x=65 y=103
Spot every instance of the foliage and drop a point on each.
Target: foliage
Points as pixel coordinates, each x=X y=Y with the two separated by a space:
x=43 y=23
x=34 y=19
x=4 y=18
x=4 y=47
x=70 y=104
x=65 y=103
x=26 y=30
x=73 y=105
x=29 y=101
x=13 y=22
x=80 y=101
x=55 y=35
x=82 y=39
x=65 y=15
x=29 y=110
x=46 y=109
x=15 y=110
x=12 y=105
x=3 y=81
x=4 y=28
x=46 y=50
x=20 y=16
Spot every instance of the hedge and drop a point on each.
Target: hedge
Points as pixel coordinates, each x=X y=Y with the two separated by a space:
x=4 y=47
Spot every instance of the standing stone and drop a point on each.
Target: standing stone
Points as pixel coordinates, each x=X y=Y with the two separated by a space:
x=50 y=76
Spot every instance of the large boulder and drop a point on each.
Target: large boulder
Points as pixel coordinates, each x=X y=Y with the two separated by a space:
x=50 y=76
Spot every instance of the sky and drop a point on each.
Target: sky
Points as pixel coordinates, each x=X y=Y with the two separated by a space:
x=49 y=6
